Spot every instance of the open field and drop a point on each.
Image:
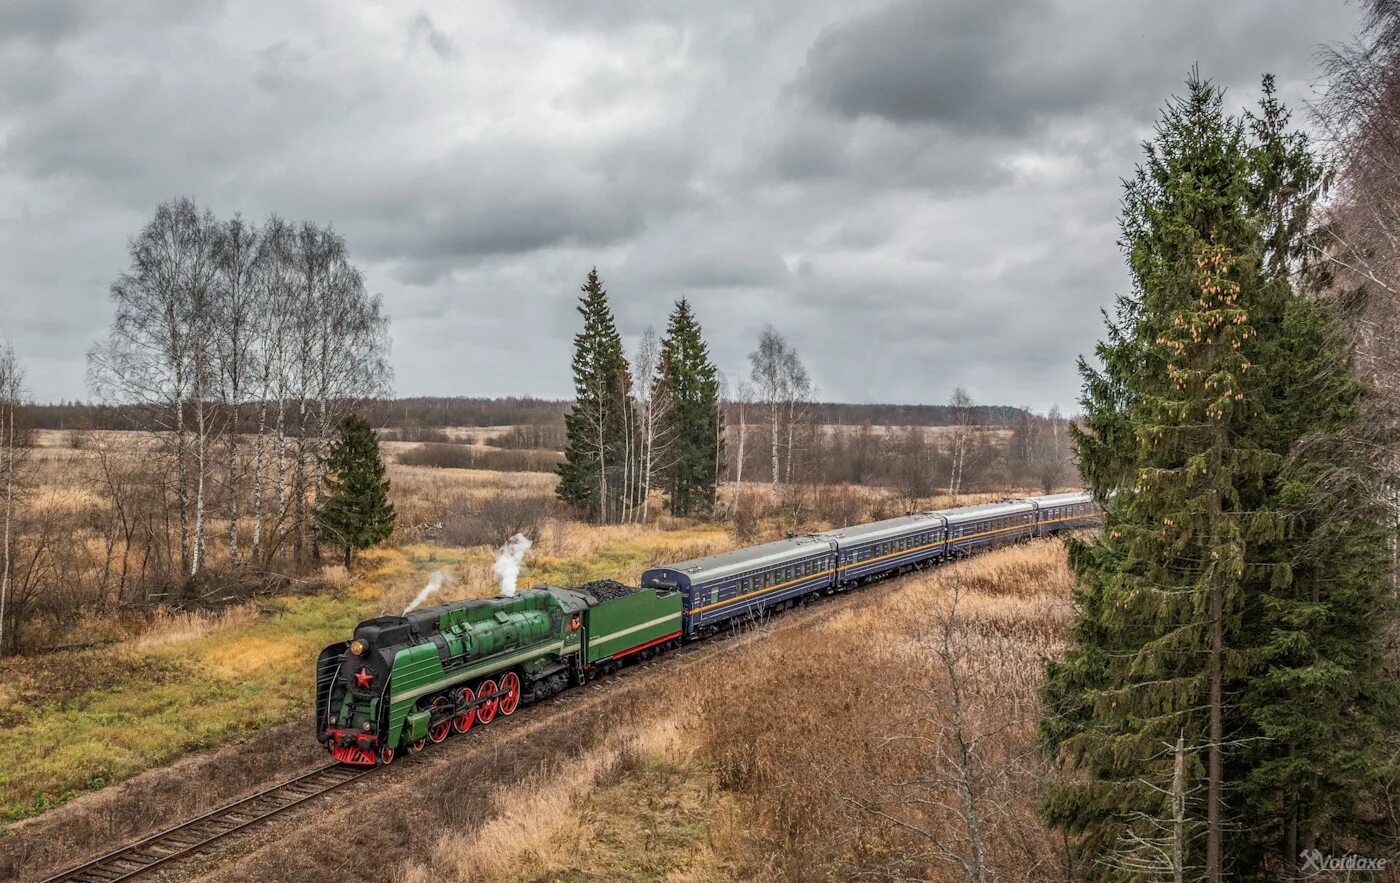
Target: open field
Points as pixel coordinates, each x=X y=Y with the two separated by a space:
x=169 y=696
x=794 y=759
x=780 y=757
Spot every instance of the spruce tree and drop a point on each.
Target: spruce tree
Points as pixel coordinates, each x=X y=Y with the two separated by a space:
x=1320 y=705
x=594 y=474
x=692 y=389
x=1175 y=709
x=355 y=512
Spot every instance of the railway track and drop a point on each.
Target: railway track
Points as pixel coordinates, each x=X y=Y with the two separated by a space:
x=191 y=837
x=188 y=839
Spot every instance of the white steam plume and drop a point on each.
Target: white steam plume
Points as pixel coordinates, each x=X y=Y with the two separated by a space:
x=434 y=583
x=507 y=566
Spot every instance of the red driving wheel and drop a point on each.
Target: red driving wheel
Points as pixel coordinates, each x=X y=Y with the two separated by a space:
x=463 y=722
x=511 y=685
x=487 y=710
x=437 y=732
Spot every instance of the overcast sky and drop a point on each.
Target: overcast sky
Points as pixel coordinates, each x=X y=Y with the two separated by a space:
x=918 y=194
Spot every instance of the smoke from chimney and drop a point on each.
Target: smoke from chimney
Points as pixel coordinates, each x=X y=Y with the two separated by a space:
x=507 y=566
x=435 y=581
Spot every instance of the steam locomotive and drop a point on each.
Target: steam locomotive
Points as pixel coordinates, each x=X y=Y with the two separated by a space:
x=402 y=682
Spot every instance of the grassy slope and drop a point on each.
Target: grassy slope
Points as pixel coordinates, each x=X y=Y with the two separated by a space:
x=76 y=721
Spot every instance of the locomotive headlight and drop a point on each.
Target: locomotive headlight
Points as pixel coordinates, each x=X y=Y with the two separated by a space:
x=357 y=647
x=365 y=726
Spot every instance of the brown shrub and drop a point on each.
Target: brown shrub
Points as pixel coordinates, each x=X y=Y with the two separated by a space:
x=454 y=456
x=415 y=434
x=548 y=437
x=838 y=740
x=492 y=520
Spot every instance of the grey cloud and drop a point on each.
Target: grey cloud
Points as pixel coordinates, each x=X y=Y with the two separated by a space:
x=41 y=21
x=958 y=64
x=936 y=182
x=422 y=30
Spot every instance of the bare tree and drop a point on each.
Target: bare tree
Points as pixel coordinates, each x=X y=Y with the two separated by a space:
x=1356 y=247
x=743 y=396
x=797 y=394
x=955 y=784
x=961 y=436
x=915 y=476
x=1051 y=457
x=238 y=299
x=653 y=407
x=784 y=385
x=214 y=318
x=157 y=354
x=12 y=455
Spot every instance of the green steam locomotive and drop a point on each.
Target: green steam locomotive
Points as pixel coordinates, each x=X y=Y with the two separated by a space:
x=404 y=681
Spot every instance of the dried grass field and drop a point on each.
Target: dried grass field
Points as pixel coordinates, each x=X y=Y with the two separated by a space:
x=783 y=760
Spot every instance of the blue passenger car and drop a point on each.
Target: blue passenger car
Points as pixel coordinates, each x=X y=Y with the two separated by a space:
x=973 y=528
x=868 y=551
x=718 y=588
x=1057 y=512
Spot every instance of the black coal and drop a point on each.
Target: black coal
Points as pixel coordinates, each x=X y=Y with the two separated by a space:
x=606 y=589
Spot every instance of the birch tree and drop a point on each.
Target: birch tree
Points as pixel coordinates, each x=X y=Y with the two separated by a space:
x=964 y=412
x=783 y=384
x=12 y=456
x=157 y=356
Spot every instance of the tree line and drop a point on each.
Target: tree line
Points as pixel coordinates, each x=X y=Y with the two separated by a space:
x=655 y=420
x=236 y=349
x=1226 y=708
x=224 y=329
x=668 y=417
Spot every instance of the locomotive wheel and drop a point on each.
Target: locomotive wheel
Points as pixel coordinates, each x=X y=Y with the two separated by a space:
x=386 y=756
x=487 y=710
x=463 y=722
x=511 y=684
x=438 y=732
x=415 y=747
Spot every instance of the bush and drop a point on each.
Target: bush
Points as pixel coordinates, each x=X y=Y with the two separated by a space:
x=450 y=456
x=492 y=521
x=415 y=434
x=547 y=437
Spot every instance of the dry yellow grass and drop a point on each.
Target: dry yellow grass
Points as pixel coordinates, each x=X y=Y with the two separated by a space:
x=567 y=821
x=166 y=627
x=766 y=774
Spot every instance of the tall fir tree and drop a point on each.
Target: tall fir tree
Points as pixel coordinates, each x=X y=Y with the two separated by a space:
x=1319 y=705
x=597 y=457
x=355 y=512
x=1168 y=707
x=692 y=389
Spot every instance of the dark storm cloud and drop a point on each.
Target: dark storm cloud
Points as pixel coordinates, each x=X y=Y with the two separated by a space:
x=919 y=194
x=425 y=32
x=956 y=64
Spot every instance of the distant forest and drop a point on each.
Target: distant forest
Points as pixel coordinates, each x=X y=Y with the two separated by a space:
x=426 y=411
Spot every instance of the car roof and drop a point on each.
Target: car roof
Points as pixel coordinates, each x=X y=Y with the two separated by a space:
x=739 y=560
x=878 y=530
x=1064 y=499
x=986 y=510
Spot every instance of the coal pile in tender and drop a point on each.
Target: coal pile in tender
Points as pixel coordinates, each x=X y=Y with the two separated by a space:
x=606 y=589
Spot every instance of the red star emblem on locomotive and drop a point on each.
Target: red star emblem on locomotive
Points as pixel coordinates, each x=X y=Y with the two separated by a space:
x=362 y=678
